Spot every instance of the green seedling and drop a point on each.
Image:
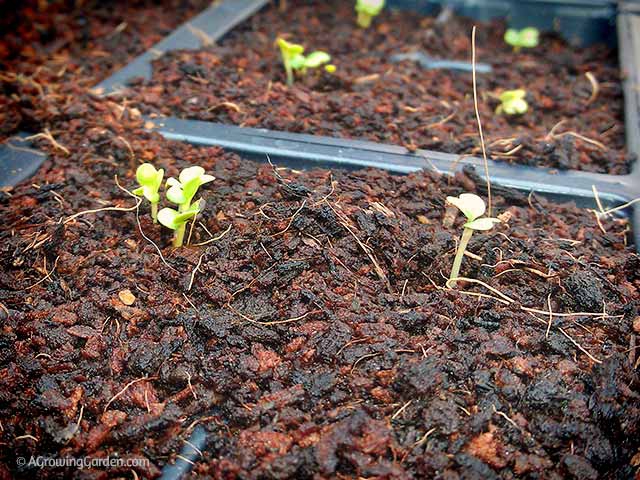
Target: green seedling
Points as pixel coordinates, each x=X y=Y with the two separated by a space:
x=177 y=221
x=526 y=38
x=150 y=180
x=294 y=60
x=512 y=102
x=181 y=192
x=473 y=207
x=367 y=9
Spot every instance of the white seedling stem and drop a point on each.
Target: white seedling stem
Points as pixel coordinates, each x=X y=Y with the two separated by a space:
x=154 y=212
x=462 y=247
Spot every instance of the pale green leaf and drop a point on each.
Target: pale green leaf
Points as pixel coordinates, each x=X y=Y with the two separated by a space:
x=512 y=37
x=176 y=195
x=470 y=204
x=206 y=179
x=515 y=107
x=370 y=7
x=159 y=177
x=150 y=180
x=316 y=59
x=189 y=190
x=152 y=195
x=185 y=216
x=529 y=37
x=167 y=217
x=190 y=173
x=482 y=224
x=510 y=95
x=297 y=62
x=289 y=49
x=146 y=174
x=173 y=219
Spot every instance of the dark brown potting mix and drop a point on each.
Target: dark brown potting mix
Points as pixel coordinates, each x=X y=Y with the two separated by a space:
x=50 y=50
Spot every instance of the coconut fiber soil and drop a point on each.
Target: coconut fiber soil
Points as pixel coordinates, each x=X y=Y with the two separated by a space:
x=308 y=327
x=241 y=81
x=50 y=50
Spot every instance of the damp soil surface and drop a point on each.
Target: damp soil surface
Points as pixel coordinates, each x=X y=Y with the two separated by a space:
x=308 y=326
x=50 y=50
x=575 y=118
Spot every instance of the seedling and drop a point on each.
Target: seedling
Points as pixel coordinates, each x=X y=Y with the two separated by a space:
x=293 y=59
x=367 y=9
x=150 y=180
x=177 y=221
x=512 y=102
x=526 y=38
x=473 y=207
x=181 y=192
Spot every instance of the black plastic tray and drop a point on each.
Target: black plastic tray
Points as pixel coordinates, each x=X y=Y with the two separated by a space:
x=581 y=22
x=18 y=161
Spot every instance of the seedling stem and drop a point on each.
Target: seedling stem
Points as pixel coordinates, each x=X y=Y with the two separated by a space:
x=462 y=247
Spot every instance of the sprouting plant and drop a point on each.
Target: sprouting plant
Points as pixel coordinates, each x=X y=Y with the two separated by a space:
x=177 y=220
x=512 y=102
x=367 y=9
x=150 y=180
x=293 y=58
x=526 y=38
x=181 y=192
x=473 y=207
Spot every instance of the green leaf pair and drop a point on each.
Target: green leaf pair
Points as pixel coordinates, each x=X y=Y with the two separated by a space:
x=367 y=9
x=473 y=207
x=294 y=60
x=513 y=102
x=526 y=38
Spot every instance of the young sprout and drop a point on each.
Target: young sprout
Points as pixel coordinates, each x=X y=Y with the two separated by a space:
x=293 y=58
x=181 y=192
x=473 y=207
x=367 y=9
x=150 y=180
x=526 y=38
x=513 y=102
x=177 y=221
